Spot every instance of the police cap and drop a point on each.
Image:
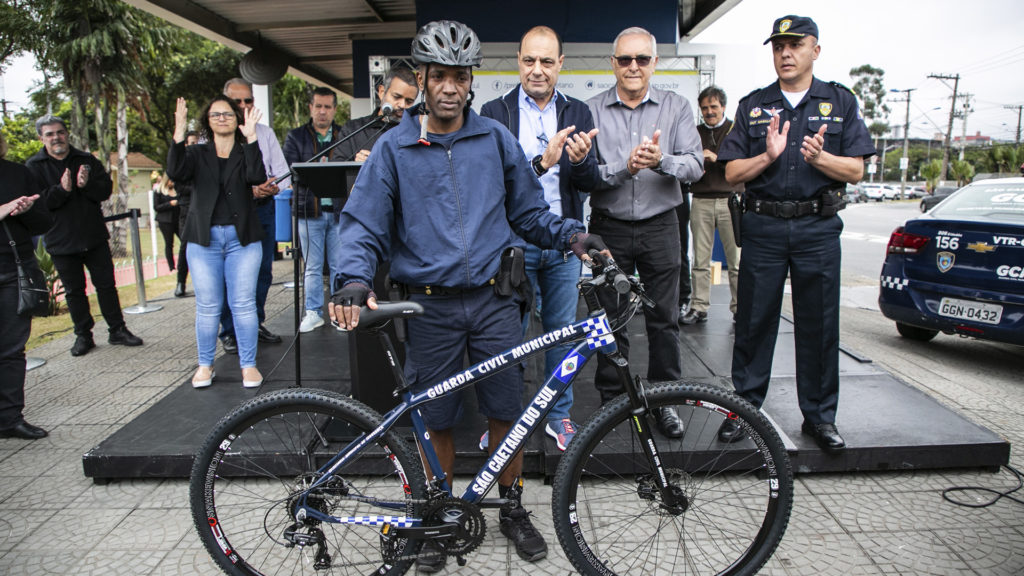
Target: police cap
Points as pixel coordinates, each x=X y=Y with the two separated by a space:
x=793 y=26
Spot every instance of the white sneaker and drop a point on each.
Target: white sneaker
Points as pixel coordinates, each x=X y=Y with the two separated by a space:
x=311 y=321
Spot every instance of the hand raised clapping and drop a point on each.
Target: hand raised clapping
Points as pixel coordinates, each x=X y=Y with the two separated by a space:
x=252 y=117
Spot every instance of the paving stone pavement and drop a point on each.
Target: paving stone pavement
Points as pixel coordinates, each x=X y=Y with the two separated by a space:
x=54 y=520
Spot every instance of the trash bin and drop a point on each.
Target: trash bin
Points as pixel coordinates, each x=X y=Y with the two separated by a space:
x=283 y=215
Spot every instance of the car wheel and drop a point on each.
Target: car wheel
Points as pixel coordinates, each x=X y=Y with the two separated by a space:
x=915 y=333
x=924 y=207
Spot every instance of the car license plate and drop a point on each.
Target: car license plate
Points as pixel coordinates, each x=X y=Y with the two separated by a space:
x=970 y=310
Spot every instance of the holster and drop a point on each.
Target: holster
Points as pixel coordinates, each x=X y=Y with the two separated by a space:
x=833 y=198
x=736 y=209
x=512 y=279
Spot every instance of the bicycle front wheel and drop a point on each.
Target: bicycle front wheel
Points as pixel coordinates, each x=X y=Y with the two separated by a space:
x=260 y=461
x=735 y=498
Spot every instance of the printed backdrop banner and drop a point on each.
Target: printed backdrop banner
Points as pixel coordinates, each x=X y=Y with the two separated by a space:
x=582 y=84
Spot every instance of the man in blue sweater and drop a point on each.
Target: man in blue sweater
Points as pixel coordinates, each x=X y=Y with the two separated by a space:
x=442 y=197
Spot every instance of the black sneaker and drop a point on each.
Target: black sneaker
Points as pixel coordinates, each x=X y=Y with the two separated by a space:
x=82 y=346
x=431 y=558
x=516 y=526
x=122 y=337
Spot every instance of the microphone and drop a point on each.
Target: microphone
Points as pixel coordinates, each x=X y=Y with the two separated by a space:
x=386 y=110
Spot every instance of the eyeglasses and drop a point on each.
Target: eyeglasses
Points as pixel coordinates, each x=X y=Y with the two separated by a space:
x=221 y=115
x=625 y=61
x=240 y=101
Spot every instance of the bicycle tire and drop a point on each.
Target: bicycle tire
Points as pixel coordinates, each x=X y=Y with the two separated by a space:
x=609 y=521
x=259 y=455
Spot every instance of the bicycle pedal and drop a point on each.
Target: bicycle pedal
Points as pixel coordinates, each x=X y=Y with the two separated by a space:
x=460 y=560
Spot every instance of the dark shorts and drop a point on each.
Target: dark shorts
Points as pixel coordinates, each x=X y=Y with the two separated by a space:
x=476 y=323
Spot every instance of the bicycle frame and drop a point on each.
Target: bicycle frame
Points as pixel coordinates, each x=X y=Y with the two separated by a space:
x=593 y=334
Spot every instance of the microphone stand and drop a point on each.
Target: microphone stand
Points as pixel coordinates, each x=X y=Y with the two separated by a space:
x=297 y=269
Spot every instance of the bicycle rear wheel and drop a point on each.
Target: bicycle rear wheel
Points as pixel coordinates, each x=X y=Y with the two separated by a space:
x=251 y=468
x=608 y=512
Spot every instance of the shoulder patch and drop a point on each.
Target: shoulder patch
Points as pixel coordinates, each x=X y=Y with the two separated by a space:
x=840 y=85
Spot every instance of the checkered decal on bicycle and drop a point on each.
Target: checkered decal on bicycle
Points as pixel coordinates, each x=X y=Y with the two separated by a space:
x=894 y=283
x=399 y=521
x=598 y=332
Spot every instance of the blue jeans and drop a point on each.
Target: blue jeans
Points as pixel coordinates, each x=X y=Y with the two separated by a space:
x=315 y=236
x=225 y=262
x=266 y=272
x=555 y=273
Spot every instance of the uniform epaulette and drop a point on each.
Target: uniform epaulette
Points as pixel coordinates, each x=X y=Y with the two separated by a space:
x=843 y=86
x=752 y=92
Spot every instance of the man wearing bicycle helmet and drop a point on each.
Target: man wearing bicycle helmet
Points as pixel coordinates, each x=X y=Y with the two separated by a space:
x=442 y=197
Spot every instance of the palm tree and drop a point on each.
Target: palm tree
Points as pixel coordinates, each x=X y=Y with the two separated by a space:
x=931 y=171
x=962 y=170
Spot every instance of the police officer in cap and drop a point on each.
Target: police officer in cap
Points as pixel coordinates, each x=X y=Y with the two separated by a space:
x=795 y=143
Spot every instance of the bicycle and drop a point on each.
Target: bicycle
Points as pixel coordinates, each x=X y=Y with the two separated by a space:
x=310 y=481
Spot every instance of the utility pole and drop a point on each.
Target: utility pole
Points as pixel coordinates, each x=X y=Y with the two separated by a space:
x=952 y=111
x=963 y=117
x=905 y=160
x=1018 y=109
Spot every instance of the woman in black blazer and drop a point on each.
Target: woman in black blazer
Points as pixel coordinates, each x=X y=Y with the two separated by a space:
x=165 y=204
x=222 y=230
x=23 y=217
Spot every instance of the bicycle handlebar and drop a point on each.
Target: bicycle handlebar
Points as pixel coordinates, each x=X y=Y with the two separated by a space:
x=613 y=274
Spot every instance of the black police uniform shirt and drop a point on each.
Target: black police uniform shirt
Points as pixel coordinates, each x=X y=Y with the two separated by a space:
x=789 y=177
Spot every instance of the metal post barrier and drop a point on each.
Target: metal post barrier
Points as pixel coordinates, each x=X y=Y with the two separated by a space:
x=142 y=307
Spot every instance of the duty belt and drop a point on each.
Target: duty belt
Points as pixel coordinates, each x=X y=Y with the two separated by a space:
x=445 y=290
x=784 y=209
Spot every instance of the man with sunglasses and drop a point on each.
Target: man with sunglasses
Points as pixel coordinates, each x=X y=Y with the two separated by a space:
x=240 y=90
x=648 y=146
x=795 y=144
x=548 y=123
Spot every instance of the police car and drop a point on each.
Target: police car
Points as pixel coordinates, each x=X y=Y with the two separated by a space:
x=959 y=269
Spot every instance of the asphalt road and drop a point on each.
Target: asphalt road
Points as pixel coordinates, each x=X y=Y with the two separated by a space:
x=980 y=379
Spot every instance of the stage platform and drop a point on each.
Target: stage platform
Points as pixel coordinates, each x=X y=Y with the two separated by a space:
x=888 y=425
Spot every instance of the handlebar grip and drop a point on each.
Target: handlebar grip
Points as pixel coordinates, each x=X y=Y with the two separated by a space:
x=615 y=276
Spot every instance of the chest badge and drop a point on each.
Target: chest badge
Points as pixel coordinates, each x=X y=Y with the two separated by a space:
x=755 y=112
x=944 y=260
x=825 y=108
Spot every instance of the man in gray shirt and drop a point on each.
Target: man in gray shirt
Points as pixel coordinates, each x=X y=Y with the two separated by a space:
x=648 y=144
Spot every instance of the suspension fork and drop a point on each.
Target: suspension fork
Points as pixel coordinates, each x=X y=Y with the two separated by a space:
x=638 y=410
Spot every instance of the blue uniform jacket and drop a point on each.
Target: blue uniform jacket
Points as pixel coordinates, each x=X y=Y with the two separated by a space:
x=584 y=176
x=789 y=177
x=443 y=216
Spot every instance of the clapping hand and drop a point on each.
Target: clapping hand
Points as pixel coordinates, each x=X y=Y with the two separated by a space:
x=578 y=145
x=17 y=206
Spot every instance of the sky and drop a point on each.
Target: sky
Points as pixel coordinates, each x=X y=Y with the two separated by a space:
x=982 y=40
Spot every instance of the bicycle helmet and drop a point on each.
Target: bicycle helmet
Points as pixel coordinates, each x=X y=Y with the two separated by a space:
x=446 y=42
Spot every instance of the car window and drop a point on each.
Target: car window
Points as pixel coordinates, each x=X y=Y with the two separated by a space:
x=998 y=202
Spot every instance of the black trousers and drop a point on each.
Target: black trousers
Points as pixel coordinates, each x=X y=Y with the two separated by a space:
x=182 y=260
x=168 y=230
x=651 y=248
x=808 y=250
x=71 y=269
x=13 y=337
x=683 y=214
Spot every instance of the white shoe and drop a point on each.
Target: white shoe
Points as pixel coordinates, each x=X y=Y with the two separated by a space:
x=252 y=383
x=203 y=383
x=311 y=321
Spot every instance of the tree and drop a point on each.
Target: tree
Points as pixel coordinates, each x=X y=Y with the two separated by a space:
x=931 y=171
x=17 y=29
x=962 y=170
x=869 y=86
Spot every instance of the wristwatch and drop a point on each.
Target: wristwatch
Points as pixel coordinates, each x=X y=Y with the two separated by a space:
x=538 y=166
